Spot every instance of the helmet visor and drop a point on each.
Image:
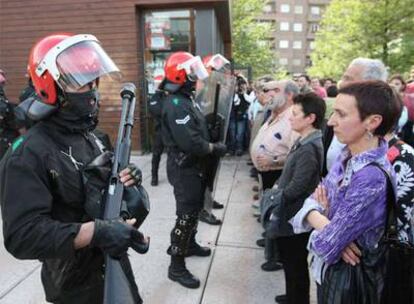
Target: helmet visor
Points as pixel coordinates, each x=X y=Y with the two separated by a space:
x=218 y=62
x=82 y=63
x=194 y=69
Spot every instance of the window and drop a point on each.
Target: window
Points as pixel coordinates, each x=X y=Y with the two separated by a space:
x=296 y=62
x=165 y=32
x=315 y=10
x=298 y=9
x=283 y=61
x=283 y=44
x=314 y=27
x=297 y=27
x=285 y=8
x=267 y=9
x=284 y=26
x=297 y=45
x=312 y=45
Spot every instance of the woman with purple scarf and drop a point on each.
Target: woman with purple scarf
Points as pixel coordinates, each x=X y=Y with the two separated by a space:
x=348 y=209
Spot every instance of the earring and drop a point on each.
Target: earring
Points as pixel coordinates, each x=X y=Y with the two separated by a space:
x=369 y=135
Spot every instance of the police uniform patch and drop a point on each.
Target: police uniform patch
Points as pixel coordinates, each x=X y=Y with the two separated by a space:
x=17 y=143
x=175 y=101
x=183 y=121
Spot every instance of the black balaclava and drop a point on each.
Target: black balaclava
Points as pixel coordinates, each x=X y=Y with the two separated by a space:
x=78 y=111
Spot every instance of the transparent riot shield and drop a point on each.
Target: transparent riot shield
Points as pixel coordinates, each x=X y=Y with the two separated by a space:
x=214 y=96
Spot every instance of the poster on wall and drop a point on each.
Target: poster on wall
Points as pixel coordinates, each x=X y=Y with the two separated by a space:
x=156 y=36
x=159 y=42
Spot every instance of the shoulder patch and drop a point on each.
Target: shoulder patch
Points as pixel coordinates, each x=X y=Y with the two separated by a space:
x=183 y=121
x=17 y=143
x=175 y=101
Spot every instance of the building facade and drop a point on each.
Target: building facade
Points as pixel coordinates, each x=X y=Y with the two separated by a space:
x=137 y=34
x=295 y=23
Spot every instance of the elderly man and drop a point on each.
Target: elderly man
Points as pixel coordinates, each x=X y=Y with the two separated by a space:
x=359 y=69
x=256 y=114
x=272 y=144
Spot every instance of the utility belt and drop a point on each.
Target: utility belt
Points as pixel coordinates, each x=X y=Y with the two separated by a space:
x=183 y=159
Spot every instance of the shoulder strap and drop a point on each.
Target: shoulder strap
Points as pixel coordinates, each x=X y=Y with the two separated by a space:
x=391 y=232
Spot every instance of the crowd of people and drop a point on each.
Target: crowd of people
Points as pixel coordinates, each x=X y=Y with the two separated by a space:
x=324 y=178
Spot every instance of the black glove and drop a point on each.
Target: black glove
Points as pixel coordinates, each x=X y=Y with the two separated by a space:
x=136 y=174
x=114 y=237
x=215 y=131
x=219 y=149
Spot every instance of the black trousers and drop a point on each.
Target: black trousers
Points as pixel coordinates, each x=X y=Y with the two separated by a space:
x=294 y=256
x=189 y=185
x=268 y=180
x=157 y=149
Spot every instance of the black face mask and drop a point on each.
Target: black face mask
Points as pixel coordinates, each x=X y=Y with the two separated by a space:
x=82 y=105
x=79 y=111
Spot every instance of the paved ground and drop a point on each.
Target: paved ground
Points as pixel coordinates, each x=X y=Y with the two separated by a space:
x=231 y=275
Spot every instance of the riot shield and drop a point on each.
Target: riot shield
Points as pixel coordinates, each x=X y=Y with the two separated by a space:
x=214 y=96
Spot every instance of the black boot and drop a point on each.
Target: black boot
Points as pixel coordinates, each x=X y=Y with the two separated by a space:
x=217 y=205
x=209 y=218
x=198 y=250
x=195 y=249
x=177 y=272
x=154 y=180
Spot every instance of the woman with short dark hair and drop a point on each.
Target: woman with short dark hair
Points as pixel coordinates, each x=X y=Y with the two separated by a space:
x=348 y=209
x=300 y=176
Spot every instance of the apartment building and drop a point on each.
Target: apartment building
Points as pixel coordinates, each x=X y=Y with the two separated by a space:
x=295 y=23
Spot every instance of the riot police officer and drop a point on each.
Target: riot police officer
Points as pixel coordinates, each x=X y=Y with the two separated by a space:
x=187 y=140
x=155 y=108
x=9 y=128
x=51 y=209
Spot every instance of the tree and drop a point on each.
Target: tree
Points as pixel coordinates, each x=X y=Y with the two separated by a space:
x=251 y=40
x=382 y=29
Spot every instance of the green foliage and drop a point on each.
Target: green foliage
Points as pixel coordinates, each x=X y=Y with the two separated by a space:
x=251 y=44
x=382 y=29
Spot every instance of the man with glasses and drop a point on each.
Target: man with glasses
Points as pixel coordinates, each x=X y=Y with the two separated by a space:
x=272 y=144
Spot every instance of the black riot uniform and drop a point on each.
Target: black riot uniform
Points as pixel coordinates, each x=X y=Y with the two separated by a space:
x=53 y=178
x=44 y=213
x=8 y=125
x=186 y=137
x=155 y=108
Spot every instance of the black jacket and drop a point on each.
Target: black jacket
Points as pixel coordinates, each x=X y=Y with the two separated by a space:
x=42 y=197
x=301 y=175
x=155 y=107
x=8 y=124
x=184 y=127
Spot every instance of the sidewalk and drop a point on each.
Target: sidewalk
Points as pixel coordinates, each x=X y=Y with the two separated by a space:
x=231 y=275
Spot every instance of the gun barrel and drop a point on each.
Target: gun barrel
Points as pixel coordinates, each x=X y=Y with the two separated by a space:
x=117 y=288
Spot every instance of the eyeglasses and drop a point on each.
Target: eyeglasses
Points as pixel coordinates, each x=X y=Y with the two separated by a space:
x=268 y=90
